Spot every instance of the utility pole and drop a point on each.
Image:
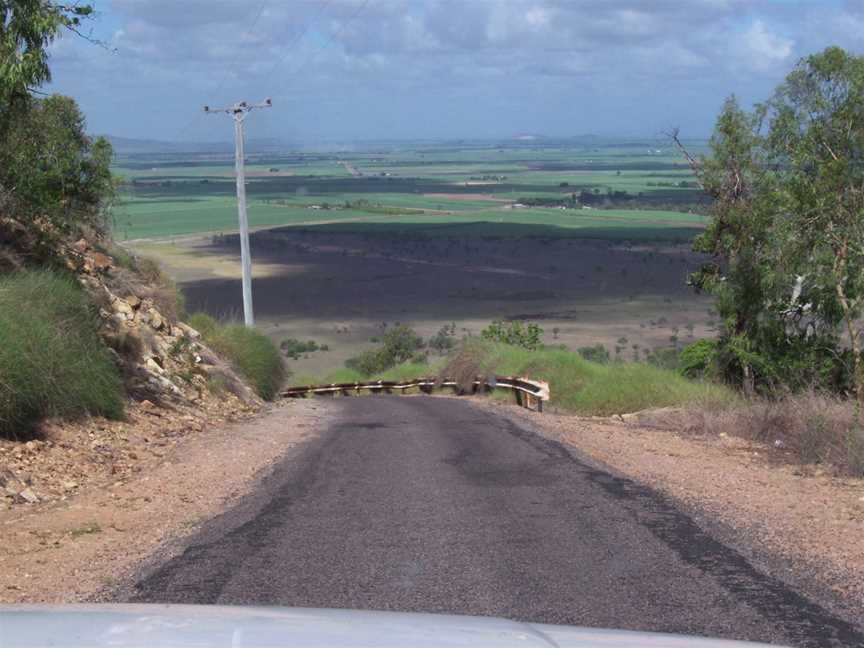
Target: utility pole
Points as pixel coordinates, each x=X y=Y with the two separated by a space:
x=238 y=112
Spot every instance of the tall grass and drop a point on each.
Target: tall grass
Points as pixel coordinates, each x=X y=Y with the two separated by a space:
x=52 y=361
x=583 y=386
x=254 y=355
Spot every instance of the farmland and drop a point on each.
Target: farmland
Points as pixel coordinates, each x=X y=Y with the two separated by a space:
x=589 y=239
x=172 y=195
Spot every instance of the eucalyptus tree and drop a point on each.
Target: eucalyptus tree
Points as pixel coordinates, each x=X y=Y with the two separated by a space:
x=786 y=237
x=816 y=137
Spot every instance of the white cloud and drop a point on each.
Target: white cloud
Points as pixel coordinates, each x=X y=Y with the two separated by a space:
x=196 y=51
x=765 y=48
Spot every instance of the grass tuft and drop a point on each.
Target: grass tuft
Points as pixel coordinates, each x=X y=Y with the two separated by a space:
x=52 y=361
x=254 y=355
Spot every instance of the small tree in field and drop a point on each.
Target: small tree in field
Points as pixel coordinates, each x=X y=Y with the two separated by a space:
x=528 y=336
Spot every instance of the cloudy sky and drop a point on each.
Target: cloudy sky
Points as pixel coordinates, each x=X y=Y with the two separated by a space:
x=373 y=69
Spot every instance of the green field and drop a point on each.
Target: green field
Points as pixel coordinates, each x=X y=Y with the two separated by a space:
x=611 y=189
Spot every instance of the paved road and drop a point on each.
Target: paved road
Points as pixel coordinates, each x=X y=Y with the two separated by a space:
x=429 y=504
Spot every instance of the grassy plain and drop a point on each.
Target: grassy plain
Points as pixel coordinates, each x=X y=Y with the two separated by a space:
x=429 y=235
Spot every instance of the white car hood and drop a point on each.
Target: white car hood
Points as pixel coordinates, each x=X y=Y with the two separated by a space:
x=189 y=626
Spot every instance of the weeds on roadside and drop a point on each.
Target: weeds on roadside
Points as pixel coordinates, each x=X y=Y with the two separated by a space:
x=252 y=354
x=52 y=361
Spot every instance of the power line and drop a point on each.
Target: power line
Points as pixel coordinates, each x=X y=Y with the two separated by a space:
x=299 y=37
x=229 y=71
x=323 y=46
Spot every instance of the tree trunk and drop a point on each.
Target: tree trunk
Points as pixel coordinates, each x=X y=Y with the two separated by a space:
x=849 y=318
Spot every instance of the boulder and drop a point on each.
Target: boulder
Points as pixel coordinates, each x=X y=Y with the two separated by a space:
x=156 y=319
x=122 y=307
x=97 y=263
x=27 y=495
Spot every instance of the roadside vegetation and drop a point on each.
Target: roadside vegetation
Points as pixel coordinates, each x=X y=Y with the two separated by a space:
x=582 y=386
x=295 y=349
x=52 y=361
x=787 y=265
x=252 y=354
x=55 y=185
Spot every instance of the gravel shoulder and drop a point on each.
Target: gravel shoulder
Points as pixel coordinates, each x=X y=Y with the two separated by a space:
x=79 y=548
x=797 y=523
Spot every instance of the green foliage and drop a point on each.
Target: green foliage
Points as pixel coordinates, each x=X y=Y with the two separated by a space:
x=49 y=169
x=597 y=353
x=444 y=339
x=53 y=168
x=28 y=28
x=664 y=358
x=399 y=344
x=787 y=230
x=252 y=354
x=516 y=333
x=697 y=360
x=205 y=324
x=294 y=348
x=52 y=362
x=587 y=387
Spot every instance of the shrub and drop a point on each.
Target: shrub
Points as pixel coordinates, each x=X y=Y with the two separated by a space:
x=52 y=361
x=203 y=323
x=597 y=353
x=444 y=339
x=664 y=358
x=294 y=348
x=399 y=344
x=370 y=362
x=697 y=360
x=252 y=354
x=514 y=333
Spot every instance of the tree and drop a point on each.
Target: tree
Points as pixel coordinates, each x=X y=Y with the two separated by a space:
x=786 y=236
x=738 y=235
x=27 y=27
x=49 y=168
x=55 y=169
x=817 y=135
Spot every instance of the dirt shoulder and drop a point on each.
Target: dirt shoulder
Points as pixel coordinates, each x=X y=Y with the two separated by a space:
x=799 y=524
x=76 y=547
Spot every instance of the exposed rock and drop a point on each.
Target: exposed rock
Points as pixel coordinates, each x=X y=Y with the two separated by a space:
x=188 y=331
x=156 y=320
x=122 y=307
x=97 y=262
x=153 y=366
x=28 y=496
x=160 y=361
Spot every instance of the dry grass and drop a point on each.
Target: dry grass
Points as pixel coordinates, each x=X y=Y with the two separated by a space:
x=808 y=427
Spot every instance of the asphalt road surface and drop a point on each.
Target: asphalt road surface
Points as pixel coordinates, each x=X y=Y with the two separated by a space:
x=430 y=504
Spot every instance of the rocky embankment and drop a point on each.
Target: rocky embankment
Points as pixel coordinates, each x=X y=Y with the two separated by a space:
x=176 y=385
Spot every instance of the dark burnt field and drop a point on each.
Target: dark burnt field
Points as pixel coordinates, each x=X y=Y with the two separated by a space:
x=337 y=284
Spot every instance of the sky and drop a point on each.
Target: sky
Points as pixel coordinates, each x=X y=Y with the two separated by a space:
x=346 y=70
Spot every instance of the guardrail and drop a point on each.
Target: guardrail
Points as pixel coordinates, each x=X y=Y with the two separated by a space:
x=529 y=393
